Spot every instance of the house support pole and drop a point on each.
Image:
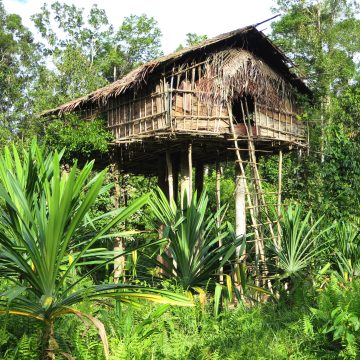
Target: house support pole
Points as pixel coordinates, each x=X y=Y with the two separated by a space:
x=199 y=177
x=161 y=175
x=240 y=210
x=170 y=176
x=279 y=198
x=186 y=175
x=119 y=242
x=176 y=169
x=162 y=183
x=218 y=205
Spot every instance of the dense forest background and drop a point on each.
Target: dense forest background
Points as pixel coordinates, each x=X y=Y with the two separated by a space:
x=79 y=53
x=316 y=311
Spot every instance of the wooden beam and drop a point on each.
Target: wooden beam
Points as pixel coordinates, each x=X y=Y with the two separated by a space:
x=186 y=174
x=240 y=207
x=218 y=205
x=176 y=169
x=199 y=177
x=119 y=242
x=170 y=176
x=190 y=165
x=279 y=196
x=161 y=175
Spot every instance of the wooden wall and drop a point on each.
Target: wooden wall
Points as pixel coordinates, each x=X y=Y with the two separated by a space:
x=174 y=104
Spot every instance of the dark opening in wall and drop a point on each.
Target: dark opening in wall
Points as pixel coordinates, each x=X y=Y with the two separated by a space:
x=243 y=108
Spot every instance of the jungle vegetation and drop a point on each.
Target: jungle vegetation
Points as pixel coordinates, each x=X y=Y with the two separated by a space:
x=58 y=297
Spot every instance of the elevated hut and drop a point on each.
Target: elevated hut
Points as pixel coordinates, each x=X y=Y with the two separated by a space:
x=229 y=98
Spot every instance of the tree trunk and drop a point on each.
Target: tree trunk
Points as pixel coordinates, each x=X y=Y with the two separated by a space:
x=199 y=178
x=49 y=344
x=119 y=243
x=170 y=176
x=218 y=205
x=186 y=175
x=163 y=169
x=240 y=214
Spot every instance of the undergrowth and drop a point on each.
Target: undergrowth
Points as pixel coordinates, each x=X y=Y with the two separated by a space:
x=322 y=324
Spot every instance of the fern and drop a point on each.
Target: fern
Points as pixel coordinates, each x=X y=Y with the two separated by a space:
x=308 y=327
x=27 y=348
x=118 y=350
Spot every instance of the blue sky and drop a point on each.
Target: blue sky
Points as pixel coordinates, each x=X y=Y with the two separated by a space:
x=175 y=19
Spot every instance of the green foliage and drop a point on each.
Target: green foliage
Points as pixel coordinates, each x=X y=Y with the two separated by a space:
x=80 y=138
x=322 y=37
x=72 y=41
x=194 y=240
x=138 y=38
x=18 y=54
x=42 y=239
x=192 y=39
x=337 y=315
x=300 y=242
x=345 y=241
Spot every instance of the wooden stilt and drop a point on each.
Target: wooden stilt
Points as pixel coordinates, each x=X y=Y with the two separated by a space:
x=240 y=207
x=119 y=242
x=161 y=175
x=170 y=176
x=176 y=169
x=240 y=162
x=279 y=197
x=199 y=177
x=218 y=205
x=162 y=183
x=186 y=175
x=190 y=166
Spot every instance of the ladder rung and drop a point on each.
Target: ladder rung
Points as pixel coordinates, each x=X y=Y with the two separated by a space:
x=265 y=223
x=238 y=139
x=265 y=238
x=261 y=205
x=256 y=150
x=247 y=162
x=252 y=178
x=263 y=192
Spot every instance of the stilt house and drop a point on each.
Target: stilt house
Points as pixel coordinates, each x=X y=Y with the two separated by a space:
x=229 y=98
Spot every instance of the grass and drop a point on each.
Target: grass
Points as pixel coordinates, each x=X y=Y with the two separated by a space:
x=270 y=331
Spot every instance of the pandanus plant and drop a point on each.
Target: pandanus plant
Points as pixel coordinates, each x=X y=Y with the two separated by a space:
x=197 y=247
x=42 y=240
x=302 y=241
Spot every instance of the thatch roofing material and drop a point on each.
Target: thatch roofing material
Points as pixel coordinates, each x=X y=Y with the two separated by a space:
x=138 y=76
x=234 y=73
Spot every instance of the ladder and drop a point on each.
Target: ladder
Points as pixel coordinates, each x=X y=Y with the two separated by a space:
x=257 y=205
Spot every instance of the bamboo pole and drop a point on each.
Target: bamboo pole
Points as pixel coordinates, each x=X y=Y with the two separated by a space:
x=119 y=242
x=190 y=165
x=186 y=175
x=199 y=177
x=218 y=205
x=240 y=207
x=170 y=176
x=166 y=267
x=279 y=196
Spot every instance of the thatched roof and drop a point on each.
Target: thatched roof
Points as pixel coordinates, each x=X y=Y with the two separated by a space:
x=251 y=38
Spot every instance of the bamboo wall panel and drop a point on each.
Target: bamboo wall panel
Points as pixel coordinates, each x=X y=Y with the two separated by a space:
x=175 y=104
x=130 y=117
x=280 y=126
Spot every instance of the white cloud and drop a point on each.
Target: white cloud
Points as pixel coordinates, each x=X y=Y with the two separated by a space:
x=175 y=19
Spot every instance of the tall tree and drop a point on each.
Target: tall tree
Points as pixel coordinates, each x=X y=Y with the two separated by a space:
x=136 y=42
x=18 y=56
x=322 y=36
x=192 y=39
x=323 y=39
x=86 y=51
x=70 y=44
